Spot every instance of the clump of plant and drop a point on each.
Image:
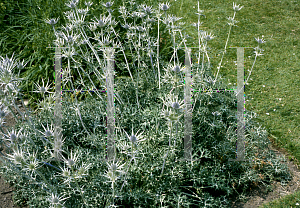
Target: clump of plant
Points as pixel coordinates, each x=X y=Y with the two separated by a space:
x=148 y=169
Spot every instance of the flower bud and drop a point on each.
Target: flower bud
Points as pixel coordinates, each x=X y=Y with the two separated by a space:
x=133 y=139
x=114 y=167
x=176 y=69
x=42 y=89
x=71 y=162
x=48 y=133
x=12 y=137
x=126 y=26
x=175 y=105
x=2 y=114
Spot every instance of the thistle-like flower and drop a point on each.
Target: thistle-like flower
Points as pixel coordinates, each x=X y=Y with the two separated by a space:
x=147 y=9
x=13 y=136
x=88 y=4
x=258 y=53
x=32 y=164
x=48 y=132
x=83 y=11
x=232 y=21
x=172 y=102
x=176 y=69
x=123 y=11
x=6 y=67
x=82 y=170
x=70 y=15
x=236 y=8
x=66 y=174
x=52 y=21
x=68 y=53
x=102 y=21
x=92 y=27
x=17 y=157
x=114 y=171
x=56 y=201
x=206 y=36
x=47 y=104
x=21 y=65
x=164 y=7
x=105 y=42
x=134 y=138
x=260 y=40
x=72 y=4
x=126 y=26
x=108 y=4
x=173 y=18
x=42 y=89
x=72 y=160
x=3 y=111
x=70 y=38
x=135 y=14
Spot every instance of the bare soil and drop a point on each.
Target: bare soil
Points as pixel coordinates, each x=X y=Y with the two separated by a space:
x=255 y=198
x=258 y=197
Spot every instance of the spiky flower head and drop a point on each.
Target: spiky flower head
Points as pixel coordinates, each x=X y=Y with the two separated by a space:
x=147 y=9
x=176 y=69
x=164 y=6
x=108 y=4
x=114 y=171
x=206 y=36
x=52 y=21
x=88 y=4
x=42 y=89
x=13 y=136
x=17 y=157
x=236 y=8
x=72 y=4
x=72 y=160
x=134 y=138
x=175 y=105
x=56 y=201
x=3 y=111
x=126 y=26
x=260 y=40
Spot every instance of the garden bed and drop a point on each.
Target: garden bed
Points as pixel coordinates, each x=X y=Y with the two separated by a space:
x=255 y=198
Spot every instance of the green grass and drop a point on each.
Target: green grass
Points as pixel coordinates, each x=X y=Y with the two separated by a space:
x=275 y=74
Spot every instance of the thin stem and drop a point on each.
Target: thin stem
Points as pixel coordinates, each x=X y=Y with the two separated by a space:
x=74 y=93
x=79 y=189
x=44 y=179
x=126 y=173
x=167 y=151
x=158 y=53
x=223 y=51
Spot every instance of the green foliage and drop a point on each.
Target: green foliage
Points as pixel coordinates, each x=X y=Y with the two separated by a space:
x=212 y=181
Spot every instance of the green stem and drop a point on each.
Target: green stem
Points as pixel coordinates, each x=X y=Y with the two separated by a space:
x=223 y=51
x=44 y=179
x=167 y=152
x=79 y=188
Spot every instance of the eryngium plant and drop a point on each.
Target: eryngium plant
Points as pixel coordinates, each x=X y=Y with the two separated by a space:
x=143 y=174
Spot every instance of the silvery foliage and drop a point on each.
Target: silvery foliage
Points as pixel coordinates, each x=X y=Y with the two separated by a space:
x=80 y=47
